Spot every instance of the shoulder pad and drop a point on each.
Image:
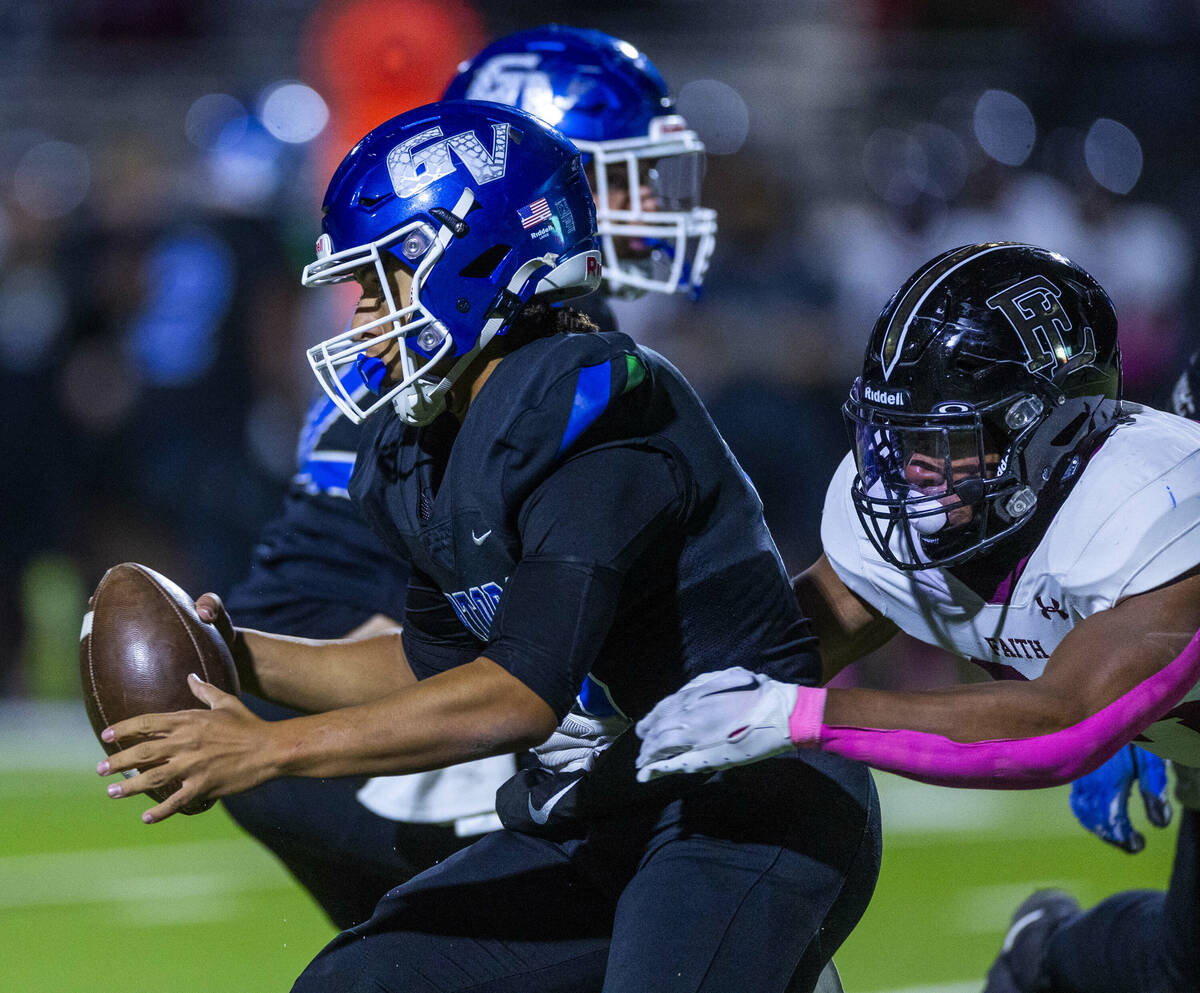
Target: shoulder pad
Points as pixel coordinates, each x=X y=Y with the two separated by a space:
x=556 y=388
x=1133 y=521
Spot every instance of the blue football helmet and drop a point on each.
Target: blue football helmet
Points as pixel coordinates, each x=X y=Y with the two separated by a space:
x=486 y=207
x=608 y=98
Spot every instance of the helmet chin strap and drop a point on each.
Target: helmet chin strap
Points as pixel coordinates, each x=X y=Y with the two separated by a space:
x=420 y=404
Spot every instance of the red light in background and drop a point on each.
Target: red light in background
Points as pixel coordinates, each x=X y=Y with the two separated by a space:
x=374 y=59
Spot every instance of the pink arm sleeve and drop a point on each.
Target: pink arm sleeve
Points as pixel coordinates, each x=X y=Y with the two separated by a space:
x=1022 y=763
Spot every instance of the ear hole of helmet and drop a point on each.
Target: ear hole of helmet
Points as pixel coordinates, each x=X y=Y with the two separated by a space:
x=486 y=263
x=1067 y=435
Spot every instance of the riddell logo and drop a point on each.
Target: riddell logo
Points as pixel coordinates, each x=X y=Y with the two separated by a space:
x=889 y=398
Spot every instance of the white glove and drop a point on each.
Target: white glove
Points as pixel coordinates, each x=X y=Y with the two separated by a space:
x=577 y=741
x=718 y=720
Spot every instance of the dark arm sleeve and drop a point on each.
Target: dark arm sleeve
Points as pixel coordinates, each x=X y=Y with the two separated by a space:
x=434 y=638
x=581 y=531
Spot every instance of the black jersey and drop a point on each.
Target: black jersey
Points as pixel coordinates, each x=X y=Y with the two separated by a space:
x=318 y=571
x=586 y=520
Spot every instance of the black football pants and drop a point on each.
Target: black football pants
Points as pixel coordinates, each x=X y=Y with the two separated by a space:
x=749 y=883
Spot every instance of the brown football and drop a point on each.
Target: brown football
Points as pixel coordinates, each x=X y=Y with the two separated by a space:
x=140 y=640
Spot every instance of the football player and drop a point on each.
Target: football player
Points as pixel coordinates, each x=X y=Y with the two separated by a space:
x=1001 y=501
x=572 y=518
x=319 y=572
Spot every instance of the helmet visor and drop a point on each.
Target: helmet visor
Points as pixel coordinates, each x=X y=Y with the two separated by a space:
x=655 y=234
x=923 y=485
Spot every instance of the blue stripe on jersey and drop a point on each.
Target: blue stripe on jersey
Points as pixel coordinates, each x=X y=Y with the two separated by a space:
x=595 y=699
x=591 y=398
x=328 y=475
x=322 y=413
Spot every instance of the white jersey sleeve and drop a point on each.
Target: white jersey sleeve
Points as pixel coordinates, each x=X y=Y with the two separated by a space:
x=842 y=533
x=1131 y=523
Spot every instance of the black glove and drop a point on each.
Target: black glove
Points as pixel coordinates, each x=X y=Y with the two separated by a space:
x=540 y=802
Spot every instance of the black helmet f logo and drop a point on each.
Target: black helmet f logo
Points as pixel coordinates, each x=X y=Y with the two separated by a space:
x=1034 y=310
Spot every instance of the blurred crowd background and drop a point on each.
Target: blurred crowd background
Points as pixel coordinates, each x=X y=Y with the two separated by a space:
x=162 y=164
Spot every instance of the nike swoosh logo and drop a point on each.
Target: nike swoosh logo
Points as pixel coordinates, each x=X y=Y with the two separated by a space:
x=750 y=685
x=542 y=814
x=482 y=538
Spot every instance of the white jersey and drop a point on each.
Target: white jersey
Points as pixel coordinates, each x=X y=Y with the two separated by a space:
x=1131 y=523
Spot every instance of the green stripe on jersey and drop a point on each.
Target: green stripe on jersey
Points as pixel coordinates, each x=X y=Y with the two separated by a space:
x=635 y=372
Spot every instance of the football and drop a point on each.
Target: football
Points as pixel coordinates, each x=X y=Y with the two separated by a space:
x=140 y=639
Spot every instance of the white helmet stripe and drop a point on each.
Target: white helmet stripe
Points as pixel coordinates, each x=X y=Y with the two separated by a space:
x=896 y=345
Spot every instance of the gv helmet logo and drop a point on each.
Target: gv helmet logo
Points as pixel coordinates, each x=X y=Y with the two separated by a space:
x=412 y=171
x=514 y=78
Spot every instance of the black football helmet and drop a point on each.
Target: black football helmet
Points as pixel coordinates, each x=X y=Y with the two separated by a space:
x=989 y=379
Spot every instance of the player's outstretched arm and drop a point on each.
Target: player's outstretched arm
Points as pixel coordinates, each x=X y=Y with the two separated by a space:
x=469 y=712
x=846 y=626
x=1117 y=672
x=309 y=674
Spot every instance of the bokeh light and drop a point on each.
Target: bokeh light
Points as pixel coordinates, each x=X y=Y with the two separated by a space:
x=293 y=112
x=33 y=313
x=243 y=167
x=946 y=159
x=52 y=179
x=211 y=116
x=1113 y=155
x=895 y=165
x=1004 y=127
x=717 y=113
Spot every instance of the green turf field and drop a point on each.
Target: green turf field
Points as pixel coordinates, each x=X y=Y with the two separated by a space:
x=92 y=899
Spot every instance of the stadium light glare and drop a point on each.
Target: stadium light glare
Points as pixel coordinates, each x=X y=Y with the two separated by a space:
x=1004 y=127
x=293 y=112
x=1113 y=155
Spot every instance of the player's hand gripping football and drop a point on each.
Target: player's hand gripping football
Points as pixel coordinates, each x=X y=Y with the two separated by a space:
x=717 y=720
x=1100 y=800
x=209 y=752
